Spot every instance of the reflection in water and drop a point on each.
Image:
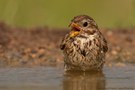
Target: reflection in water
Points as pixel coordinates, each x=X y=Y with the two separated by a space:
x=84 y=81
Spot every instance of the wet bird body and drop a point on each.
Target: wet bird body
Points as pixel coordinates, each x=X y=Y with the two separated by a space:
x=84 y=47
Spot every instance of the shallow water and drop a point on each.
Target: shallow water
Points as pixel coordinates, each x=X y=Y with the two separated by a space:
x=54 y=78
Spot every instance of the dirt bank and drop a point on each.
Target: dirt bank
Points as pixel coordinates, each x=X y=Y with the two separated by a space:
x=40 y=46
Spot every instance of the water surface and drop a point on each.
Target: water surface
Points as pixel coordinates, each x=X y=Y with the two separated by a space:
x=54 y=78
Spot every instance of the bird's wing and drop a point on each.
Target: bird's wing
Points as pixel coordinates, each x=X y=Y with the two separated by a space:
x=63 y=42
x=104 y=44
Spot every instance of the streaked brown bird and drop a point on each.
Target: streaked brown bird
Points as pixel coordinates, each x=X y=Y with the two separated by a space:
x=84 y=47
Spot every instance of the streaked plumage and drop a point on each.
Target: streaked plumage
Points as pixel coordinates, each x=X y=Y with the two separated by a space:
x=84 y=47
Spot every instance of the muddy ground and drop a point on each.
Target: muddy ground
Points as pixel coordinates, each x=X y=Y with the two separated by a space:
x=40 y=46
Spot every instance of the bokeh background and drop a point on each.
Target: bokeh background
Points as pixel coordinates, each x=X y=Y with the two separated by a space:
x=58 y=13
x=31 y=30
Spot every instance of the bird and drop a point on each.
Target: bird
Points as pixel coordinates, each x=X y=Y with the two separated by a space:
x=84 y=46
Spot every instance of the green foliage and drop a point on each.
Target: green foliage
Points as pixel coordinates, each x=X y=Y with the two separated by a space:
x=58 y=13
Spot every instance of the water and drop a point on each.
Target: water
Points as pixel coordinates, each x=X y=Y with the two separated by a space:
x=54 y=78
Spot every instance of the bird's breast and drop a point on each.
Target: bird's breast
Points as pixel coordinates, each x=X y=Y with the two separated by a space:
x=84 y=42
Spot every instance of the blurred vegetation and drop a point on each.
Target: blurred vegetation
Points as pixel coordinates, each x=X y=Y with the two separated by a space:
x=58 y=13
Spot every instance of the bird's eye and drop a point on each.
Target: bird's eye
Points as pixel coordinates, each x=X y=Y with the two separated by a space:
x=85 y=24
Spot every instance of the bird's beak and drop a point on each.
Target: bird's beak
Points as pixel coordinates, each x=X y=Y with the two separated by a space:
x=75 y=29
x=75 y=26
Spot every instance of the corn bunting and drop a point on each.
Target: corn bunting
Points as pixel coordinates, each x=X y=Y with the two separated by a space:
x=84 y=47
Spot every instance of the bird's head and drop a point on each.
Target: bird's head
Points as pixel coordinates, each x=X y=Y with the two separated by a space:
x=82 y=23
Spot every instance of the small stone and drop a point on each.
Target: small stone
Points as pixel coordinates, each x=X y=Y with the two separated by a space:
x=120 y=64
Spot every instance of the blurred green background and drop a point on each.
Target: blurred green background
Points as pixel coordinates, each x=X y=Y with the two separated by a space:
x=58 y=13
